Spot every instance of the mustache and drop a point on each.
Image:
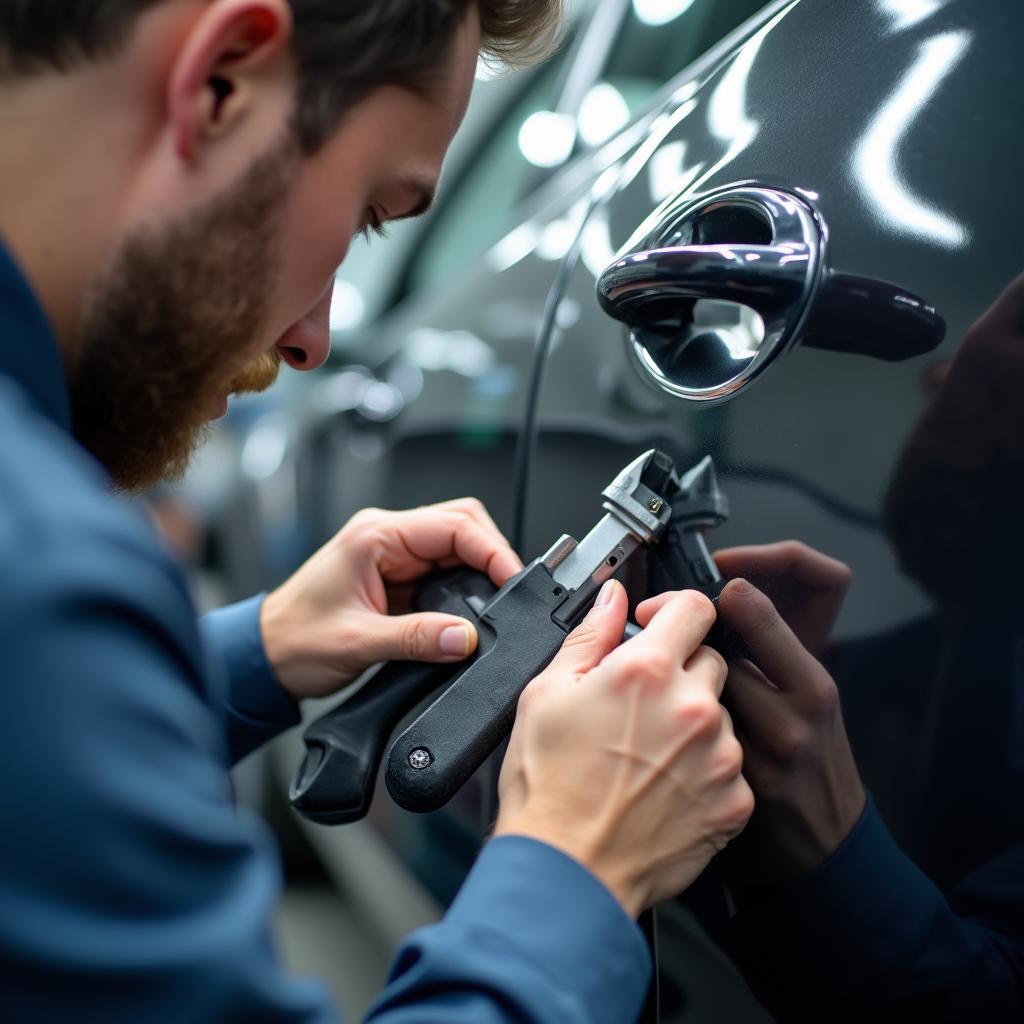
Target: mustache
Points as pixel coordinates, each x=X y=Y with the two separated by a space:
x=259 y=375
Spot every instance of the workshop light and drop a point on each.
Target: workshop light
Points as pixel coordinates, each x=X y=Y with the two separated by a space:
x=660 y=12
x=546 y=138
x=347 y=306
x=602 y=113
x=265 y=448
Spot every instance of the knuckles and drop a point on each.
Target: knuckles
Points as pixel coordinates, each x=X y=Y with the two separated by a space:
x=820 y=697
x=792 y=741
x=413 y=640
x=648 y=670
x=468 y=506
x=717 y=666
x=581 y=636
x=363 y=530
x=728 y=761
x=700 y=716
x=738 y=807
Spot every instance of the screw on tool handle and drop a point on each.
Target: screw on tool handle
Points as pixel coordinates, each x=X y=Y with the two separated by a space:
x=437 y=754
x=334 y=784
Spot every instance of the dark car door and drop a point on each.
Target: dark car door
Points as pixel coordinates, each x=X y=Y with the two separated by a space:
x=890 y=435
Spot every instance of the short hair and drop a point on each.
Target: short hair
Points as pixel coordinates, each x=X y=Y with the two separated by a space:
x=343 y=49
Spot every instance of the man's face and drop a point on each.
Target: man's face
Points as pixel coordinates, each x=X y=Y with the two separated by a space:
x=188 y=312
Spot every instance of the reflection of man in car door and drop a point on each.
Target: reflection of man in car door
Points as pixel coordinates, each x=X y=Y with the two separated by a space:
x=839 y=922
x=179 y=180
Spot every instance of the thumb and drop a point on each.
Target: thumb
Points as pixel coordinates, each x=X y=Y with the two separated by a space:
x=596 y=636
x=424 y=636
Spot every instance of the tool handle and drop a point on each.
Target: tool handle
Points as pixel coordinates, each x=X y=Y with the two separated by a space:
x=334 y=784
x=449 y=741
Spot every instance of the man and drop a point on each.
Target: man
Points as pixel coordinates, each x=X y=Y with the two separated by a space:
x=178 y=181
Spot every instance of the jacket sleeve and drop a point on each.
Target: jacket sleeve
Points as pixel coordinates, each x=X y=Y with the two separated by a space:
x=256 y=708
x=533 y=938
x=868 y=935
x=131 y=888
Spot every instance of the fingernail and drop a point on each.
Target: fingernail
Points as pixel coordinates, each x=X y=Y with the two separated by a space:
x=455 y=641
x=740 y=586
x=605 y=594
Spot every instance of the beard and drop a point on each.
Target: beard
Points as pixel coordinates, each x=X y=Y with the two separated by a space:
x=170 y=327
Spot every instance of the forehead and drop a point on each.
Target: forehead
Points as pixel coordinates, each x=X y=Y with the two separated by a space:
x=425 y=124
x=462 y=64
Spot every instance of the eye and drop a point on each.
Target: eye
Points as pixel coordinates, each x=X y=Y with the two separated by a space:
x=374 y=224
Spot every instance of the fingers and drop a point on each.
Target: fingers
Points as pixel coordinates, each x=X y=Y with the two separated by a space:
x=677 y=626
x=711 y=665
x=789 y=559
x=770 y=642
x=807 y=587
x=477 y=511
x=427 y=636
x=646 y=610
x=598 y=634
x=753 y=702
x=421 y=539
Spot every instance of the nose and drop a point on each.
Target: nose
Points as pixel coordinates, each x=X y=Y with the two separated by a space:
x=307 y=343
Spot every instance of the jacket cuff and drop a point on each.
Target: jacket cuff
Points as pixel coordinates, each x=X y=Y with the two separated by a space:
x=563 y=918
x=258 y=709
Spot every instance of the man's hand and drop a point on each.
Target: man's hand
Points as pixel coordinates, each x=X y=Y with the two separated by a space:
x=622 y=756
x=786 y=708
x=336 y=616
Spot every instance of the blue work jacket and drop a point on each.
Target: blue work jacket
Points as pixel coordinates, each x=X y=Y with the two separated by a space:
x=131 y=887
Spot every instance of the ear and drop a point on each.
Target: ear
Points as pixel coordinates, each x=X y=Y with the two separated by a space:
x=228 y=49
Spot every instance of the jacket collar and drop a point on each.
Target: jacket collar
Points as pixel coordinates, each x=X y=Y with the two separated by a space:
x=28 y=349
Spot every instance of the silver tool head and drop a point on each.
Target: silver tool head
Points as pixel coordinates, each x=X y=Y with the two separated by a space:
x=645 y=511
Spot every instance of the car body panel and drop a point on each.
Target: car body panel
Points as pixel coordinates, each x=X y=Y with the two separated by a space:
x=898 y=124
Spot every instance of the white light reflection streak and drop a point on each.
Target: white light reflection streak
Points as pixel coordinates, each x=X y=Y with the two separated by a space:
x=727 y=110
x=596 y=243
x=668 y=172
x=905 y=13
x=515 y=246
x=889 y=195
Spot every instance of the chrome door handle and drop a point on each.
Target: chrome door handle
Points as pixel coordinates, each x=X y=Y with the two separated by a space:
x=720 y=288
x=717 y=289
x=765 y=278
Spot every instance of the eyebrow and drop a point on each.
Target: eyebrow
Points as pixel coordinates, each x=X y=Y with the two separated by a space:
x=426 y=190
